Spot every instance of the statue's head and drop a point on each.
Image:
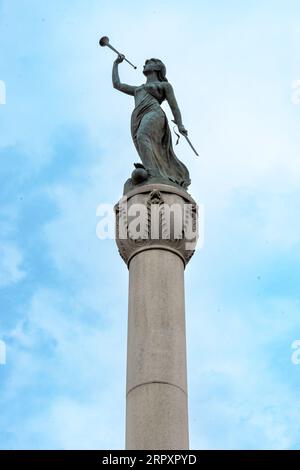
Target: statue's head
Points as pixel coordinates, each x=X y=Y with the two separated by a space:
x=155 y=65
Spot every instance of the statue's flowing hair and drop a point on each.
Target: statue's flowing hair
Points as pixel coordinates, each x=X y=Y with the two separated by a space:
x=161 y=70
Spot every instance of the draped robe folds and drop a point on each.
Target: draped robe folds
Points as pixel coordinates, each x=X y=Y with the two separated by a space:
x=152 y=137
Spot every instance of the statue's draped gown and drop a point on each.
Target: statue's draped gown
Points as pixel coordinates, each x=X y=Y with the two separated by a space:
x=152 y=136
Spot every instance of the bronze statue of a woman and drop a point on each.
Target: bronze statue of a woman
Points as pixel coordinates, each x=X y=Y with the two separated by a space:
x=149 y=126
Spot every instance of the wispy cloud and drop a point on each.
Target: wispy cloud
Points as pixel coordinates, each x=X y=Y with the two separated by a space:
x=10 y=265
x=66 y=147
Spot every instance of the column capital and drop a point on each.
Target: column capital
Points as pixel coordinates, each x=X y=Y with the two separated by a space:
x=156 y=216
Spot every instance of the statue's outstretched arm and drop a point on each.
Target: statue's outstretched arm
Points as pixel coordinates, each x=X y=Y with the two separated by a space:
x=128 y=89
x=174 y=108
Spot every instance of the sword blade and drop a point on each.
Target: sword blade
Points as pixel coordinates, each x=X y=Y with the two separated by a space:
x=188 y=140
x=191 y=145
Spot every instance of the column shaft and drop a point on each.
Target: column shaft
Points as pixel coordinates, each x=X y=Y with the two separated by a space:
x=156 y=404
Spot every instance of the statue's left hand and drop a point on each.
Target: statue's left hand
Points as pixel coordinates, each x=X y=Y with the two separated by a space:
x=182 y=130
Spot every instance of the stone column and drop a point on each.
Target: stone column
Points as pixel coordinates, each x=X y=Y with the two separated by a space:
x=156 y=233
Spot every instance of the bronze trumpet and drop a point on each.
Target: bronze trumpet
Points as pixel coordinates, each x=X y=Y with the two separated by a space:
x=104 y=41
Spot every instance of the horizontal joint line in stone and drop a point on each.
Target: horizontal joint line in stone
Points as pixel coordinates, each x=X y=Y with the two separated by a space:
x=156 y=247
x=156 y=382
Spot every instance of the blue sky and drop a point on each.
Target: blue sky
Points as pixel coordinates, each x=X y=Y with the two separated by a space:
x=65 y=147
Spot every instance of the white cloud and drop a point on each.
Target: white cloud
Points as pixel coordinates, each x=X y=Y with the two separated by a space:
x=82 y=361
x=93 y=423
x=235 y=101
x=238 y=400
x=2 y=92
x=10 y=264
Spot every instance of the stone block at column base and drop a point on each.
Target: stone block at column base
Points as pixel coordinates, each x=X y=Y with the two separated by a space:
x=158 y=417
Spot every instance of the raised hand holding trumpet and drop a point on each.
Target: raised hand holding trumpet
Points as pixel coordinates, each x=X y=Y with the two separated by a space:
x=104 y=41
